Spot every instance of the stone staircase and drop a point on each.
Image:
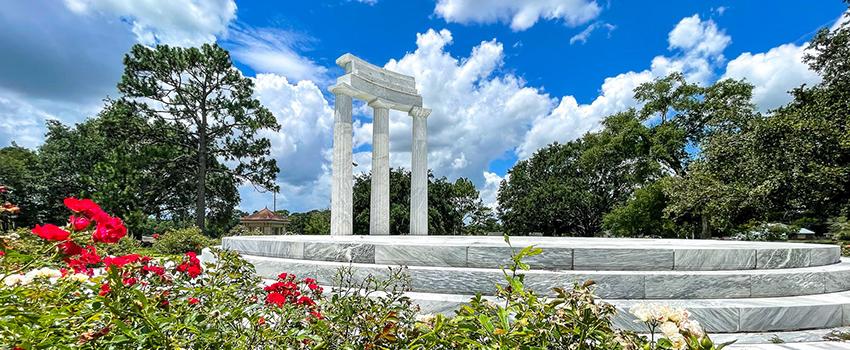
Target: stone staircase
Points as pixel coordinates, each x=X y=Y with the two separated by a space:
x=729 y=286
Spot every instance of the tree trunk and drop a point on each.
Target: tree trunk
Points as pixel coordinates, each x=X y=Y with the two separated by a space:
x=201 y=199
x=706 y=232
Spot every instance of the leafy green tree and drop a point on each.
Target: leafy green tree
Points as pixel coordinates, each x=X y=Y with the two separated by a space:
x=565 y=189
x=450 y=204
x=641 y=216
x=19 y=176
x=205 y=107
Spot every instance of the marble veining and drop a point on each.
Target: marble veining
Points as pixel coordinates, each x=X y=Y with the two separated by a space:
x=420 y=255
x=715 y=259
x=689 y=286
x=622 y=259
x=783 y=258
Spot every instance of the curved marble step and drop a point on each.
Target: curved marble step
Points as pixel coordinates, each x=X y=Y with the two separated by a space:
x=716 y=315
x=610 y=284
x=559 y=253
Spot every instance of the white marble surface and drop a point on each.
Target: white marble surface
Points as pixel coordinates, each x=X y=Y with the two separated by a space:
x=717 y=316
x=589 y=254
x=610 y=284
x=342 y=209
x=419 y=172
x=379 y=205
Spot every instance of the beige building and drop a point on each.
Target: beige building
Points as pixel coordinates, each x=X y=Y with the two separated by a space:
x=265 y=221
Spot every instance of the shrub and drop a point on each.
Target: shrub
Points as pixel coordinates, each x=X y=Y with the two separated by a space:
x=181 y=241
x=126 y=245
x=767 y=232
x=241 y=230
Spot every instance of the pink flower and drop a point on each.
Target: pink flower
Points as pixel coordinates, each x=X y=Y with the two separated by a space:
x=104 y=289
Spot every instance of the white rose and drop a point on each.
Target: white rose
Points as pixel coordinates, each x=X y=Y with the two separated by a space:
x=669 y=329
x=678 y=341
x=13 y=280
x=694 y=328
x=78 y=277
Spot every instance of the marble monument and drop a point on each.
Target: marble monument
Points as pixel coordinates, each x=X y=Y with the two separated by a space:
x=383 y=90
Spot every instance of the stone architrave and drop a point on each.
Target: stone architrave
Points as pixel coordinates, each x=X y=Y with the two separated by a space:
x=383 y=90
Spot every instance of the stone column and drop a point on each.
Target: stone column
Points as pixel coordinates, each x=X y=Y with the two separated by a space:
x=379 y=206
x=342 y=209
x=419 y=173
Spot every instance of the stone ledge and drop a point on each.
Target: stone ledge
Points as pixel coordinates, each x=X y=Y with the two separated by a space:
x=610 y=284
x=717 y=316
x=561 y=253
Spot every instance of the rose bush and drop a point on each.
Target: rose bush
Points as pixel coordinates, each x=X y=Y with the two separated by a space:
x=59 y=290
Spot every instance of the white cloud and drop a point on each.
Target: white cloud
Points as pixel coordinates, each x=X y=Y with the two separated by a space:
x=173 y=22
x=490 y=191
x=844 y=18
x=773 y=74
x=585 y=34
x=697 y=47
x=477 y=115
x=269 y=50
x=520 y=14
x=301 y=147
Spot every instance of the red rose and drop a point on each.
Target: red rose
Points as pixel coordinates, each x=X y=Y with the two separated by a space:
x=276 y=298
x=120 y=261
x=193 y=301
x=2 y=253
x=79 y=223
x=156 y=236
x=89 y=255
x=305 y=300
x=194 y=271
x=129 y=281
x=309 y=280
x=104 y=289
x=109 y=230
x=70 y=248
x=51 y=232
x=159 y=271
x=316 y=314
x=87 y=207
x=261 y=321
x=284 y=276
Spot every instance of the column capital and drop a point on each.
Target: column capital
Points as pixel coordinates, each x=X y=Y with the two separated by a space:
x=379 y=103
x=420 y=112
x=341 y=88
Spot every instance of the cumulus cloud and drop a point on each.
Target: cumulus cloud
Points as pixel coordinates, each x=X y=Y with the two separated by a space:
x=697 y=48
x=270 y=50
x=477 y=115
x=302 y=146
x=490 y=190
x=173 y=22
x=521 y=15
x=773 y=74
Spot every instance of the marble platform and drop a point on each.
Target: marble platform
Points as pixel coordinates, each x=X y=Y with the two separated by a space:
x=729 y=286
x=559 y=253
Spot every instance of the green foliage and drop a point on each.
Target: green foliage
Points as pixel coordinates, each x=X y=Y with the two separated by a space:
x=451 y=205
x=840 y=228
x=181 y=241
x=565 y=189
x=126 y=245
x=642 y=215
x=204 y=107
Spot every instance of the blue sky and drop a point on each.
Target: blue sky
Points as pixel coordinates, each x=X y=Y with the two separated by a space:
x=503 y=77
